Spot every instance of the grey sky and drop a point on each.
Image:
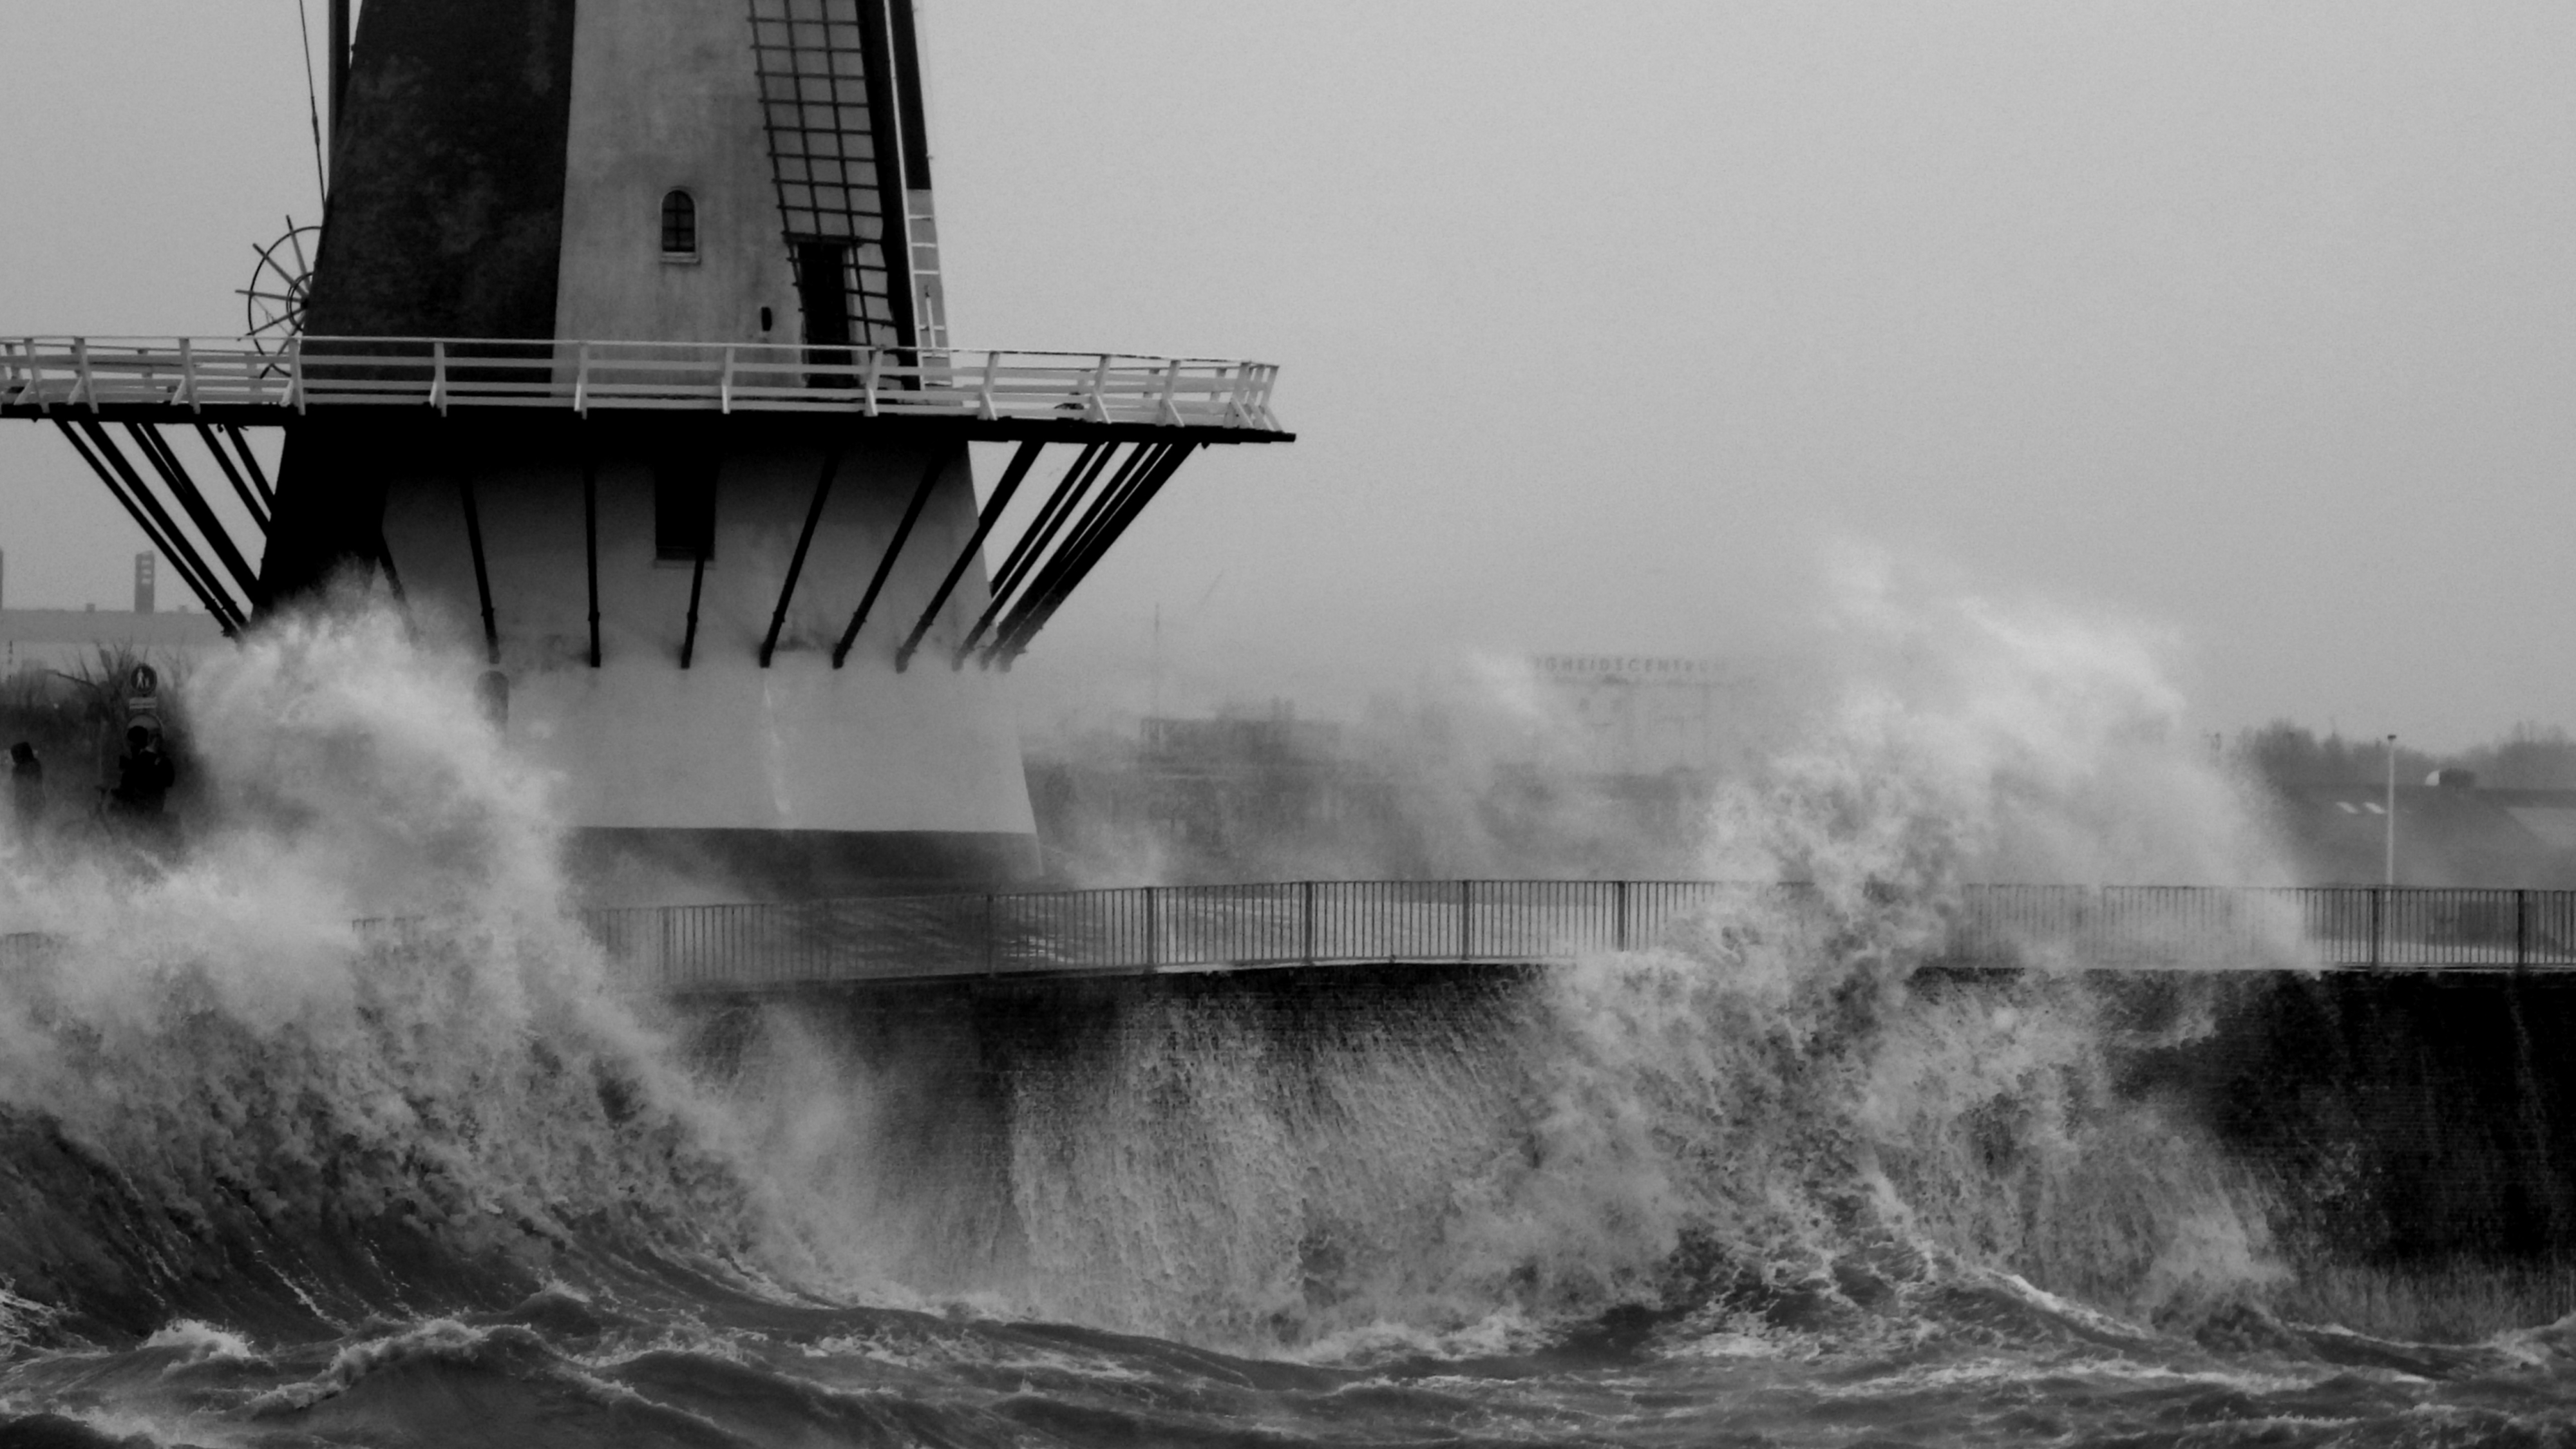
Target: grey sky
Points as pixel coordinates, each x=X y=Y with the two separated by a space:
x=1601 y=323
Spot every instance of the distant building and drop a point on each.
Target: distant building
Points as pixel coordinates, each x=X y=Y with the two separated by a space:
x=1255 y=794
x=68 y=639
x=1222 y=785
x=1646 y=714
x=1240 y=793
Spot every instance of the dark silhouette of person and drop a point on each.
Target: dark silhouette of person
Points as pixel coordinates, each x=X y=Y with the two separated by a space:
x=26 y=788
x=144 y=776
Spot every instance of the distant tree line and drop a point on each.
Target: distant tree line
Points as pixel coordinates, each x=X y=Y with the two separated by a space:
x=2286 y=755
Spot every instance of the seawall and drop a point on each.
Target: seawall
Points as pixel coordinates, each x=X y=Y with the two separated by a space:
x=2406 y=1135
x=2409 y=1119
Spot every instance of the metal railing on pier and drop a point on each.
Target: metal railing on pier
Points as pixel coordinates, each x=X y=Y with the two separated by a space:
x=2457 y=928
x=1505 y=922
x=1150 y=929
x=46 y=374
x=1145 y=928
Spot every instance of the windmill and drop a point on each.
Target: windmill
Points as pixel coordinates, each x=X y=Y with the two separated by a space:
x=623 y=356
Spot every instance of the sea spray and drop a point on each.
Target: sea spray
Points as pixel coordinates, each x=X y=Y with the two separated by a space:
x=1765 y=1100
x=1980 y=741
x=1782 y=1175
x=1985 y=739
x=1786 y=1103
x=1263 y=1168
x=1415 y=1156
x=219 y=1096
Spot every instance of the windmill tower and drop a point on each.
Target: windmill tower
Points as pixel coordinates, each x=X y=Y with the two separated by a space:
x=624 y=356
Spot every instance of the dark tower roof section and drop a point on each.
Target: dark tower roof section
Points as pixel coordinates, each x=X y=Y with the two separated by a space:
x=446 y=210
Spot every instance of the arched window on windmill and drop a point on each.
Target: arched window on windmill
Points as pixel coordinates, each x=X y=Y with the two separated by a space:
x=679 y=227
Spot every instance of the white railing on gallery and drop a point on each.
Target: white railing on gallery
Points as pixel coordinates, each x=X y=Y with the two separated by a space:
x=43 y=374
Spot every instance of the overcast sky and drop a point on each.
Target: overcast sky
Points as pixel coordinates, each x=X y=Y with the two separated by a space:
x=1603 y=326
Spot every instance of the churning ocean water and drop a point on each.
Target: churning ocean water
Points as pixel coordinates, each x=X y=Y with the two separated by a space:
x=264 y=1182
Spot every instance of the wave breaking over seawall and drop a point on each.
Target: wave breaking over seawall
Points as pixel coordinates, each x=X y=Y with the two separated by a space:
x=218 y=1099
x=221 y=1099
x=264 y=1171
x=1771 y=1104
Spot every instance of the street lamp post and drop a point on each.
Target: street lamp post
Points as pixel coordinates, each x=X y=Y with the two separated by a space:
x=2389 y=867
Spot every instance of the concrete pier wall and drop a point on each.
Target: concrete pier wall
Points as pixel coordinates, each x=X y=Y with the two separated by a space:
x=2404 y=1118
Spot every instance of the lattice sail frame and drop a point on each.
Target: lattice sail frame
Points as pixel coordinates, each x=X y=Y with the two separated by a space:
x=828 y=163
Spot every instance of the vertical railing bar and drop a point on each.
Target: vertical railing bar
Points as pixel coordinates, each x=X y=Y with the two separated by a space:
x=1238 y=407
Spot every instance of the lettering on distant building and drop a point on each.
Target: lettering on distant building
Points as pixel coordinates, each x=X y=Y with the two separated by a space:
x=1608 y=666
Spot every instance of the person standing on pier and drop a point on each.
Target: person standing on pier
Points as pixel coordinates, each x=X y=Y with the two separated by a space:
x=143 y=781
x=26 y=792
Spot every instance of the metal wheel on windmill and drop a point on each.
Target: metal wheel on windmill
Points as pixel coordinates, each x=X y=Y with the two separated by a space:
x=273 y=303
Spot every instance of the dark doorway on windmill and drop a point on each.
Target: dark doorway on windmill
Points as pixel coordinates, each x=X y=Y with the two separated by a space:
x=679 y=225
x=823 y=294
x=684 y=507
x=823 y=290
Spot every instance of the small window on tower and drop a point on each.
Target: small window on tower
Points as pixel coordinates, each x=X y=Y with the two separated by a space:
x=679 y=225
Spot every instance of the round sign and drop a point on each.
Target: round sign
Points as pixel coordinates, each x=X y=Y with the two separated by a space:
x=143 y=680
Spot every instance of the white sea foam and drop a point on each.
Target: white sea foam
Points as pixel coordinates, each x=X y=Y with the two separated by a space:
x=1756 y=1114
x=199 y=1342
x=1758 y=1111
x=255 y=1070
